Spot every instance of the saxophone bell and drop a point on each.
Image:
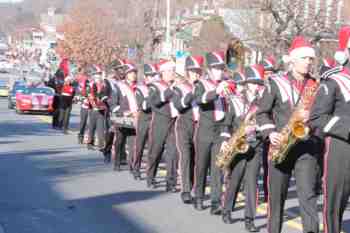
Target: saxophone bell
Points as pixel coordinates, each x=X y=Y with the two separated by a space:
x=300 y=130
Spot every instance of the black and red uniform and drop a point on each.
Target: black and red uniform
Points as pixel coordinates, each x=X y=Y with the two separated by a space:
x=97 y=98
x=161 y=134
x=275 y=109
x=206 y=136
x=183 y=100
x=331 y=116
x=124 y=102
x=142 y=126
x=67 y=95
x=244 y=166
x=85 y=107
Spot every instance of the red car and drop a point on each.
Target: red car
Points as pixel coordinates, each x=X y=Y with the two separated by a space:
x=35 y=99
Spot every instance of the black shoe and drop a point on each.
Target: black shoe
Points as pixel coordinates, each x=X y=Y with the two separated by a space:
x=186 y=198
x=137 y=175
x=131 y=169
x=215 y=209
x=173 y=189
x=107 y=158
x=226 y=217
x=117 y=168
x=151 y=183
x=90 y=147
x=198 y=204
x=250 y=226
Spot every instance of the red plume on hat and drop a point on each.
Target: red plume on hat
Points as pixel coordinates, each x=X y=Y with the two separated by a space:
x=342 y=55
x=194 y=62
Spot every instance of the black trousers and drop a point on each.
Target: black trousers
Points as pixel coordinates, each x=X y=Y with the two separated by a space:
x=162 y=138
x=56 y=113
x=122 y=137
x=184 y=143
x=265 y=152
x=303 y=159
x=84 y=115
x=140 y=139
x=64 y=117
x=97 y=123
x=205 y=157
x=245 y=166
x=336 y=183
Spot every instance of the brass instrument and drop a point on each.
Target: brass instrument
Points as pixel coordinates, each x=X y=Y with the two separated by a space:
x=237 y=144
x=296 y=129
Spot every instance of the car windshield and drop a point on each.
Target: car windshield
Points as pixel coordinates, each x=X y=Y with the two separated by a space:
x=46 y=91
x=3 y=84
x=18 y=87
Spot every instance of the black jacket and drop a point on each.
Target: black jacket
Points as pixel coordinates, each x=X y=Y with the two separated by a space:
x=331 y=112
x=277 y=104
x=160 y=101
x=208 y=128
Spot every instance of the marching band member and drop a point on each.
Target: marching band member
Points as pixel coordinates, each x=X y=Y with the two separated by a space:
x=270 y=69
x=97 y=99
x=161 y=132
x=327 y=64
x=58 y=82
x=116 y=74
x=184 y=126
x=276 y=108
x=330 y=115
x=125 y=106
x=211 y=102
x=144 y=117
x=241 y=107
x=67 y=95
x=84 y=84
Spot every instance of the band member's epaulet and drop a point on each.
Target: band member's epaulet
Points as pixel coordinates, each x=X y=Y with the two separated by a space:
x=331 y=72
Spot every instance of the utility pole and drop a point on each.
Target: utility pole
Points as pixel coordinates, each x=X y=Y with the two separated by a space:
x=167 y=35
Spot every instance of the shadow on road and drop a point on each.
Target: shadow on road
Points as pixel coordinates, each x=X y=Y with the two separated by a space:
x=346 y=225
x=30 y=201
x=33 y=153
x=15 y=129
x=105 y=211
x=9 y=142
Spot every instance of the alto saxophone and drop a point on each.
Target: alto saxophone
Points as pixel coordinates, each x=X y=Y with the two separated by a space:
x=237 y=144
x=296 y=129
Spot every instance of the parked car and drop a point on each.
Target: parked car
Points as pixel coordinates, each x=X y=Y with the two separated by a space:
x=18 y=86
x=35 y=99
x=5 y=66
x=4 y=88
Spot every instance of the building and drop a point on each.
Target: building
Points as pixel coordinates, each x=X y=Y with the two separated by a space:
x=346 y=12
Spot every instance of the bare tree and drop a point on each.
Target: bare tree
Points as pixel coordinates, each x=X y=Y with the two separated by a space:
x=89 y=34
x=272 y=24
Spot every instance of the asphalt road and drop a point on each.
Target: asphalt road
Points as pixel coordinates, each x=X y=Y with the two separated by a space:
x=50 y=184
